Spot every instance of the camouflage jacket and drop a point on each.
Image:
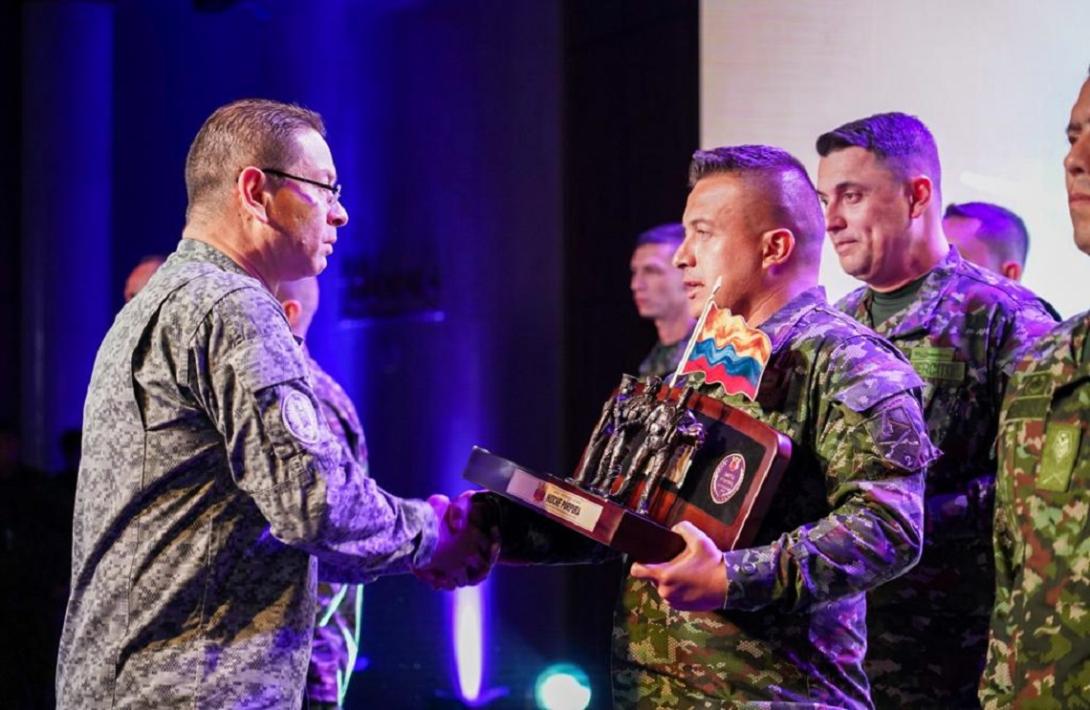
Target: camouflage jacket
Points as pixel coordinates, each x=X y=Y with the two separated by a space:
x=847 y=517
x=663 y=359
x=208 y=487
x=964 y=333
x=337 y=626
x=1039 y=647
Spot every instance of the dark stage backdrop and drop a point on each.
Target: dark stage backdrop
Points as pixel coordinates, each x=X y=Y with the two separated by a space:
x=498 y=160
x=10 y=181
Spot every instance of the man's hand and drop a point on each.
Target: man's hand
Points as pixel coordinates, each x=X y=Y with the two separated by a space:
x=695 y=580
x=468 y=544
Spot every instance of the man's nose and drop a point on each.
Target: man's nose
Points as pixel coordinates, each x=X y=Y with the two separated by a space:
x=338 y=216
x=683 y=255
x=1077 y=161
x=834 y=221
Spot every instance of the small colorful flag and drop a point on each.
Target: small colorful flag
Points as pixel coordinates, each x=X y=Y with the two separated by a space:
x=729 y=353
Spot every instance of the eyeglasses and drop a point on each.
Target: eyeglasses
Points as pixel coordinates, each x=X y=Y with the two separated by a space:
x=334 y=190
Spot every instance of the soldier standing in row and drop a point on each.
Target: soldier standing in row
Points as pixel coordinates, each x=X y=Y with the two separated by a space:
x=660 y=297
x=963 y=328
x=1039 y=646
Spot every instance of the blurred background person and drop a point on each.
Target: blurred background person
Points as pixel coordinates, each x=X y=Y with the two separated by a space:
x=659 y=295
x=988 y=235
x=141 y=273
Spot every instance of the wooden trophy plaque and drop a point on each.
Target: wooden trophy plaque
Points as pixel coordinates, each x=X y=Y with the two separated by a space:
x=659 y=455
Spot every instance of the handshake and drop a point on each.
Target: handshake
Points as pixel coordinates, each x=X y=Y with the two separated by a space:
x=468 y=543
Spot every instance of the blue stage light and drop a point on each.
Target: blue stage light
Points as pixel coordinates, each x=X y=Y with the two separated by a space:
x=562 y=686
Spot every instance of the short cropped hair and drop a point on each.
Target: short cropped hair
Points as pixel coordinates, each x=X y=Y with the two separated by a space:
x=902 y=142
x=798 y=198
x=257 y=132
x=1003 y=231
x=672 y=234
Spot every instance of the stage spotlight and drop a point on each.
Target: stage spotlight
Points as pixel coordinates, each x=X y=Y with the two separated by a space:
x=562 y=686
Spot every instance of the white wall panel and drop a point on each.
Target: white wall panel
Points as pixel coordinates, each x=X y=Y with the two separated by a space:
x=993 y=79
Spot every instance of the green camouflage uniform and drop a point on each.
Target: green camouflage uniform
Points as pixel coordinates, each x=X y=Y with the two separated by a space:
x=964 y=332
x=847 y=517
x=1039 y=649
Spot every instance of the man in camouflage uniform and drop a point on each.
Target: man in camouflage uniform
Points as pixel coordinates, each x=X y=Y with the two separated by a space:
x=209 y=488
x=660 y=297
x=337 y=625
x=963 y=328
x=1039 y=646
x=782 y=621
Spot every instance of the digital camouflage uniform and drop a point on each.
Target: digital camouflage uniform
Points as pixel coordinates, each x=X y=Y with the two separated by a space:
x=208 y=490
x=1039 y=649
x=336 y=629
x=964 y=333
x=847 y=517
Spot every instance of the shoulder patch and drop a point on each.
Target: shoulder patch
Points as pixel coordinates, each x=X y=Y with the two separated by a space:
x=900 y=436
x=300 y=417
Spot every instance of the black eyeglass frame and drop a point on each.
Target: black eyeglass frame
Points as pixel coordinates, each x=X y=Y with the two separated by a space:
x=334 y=188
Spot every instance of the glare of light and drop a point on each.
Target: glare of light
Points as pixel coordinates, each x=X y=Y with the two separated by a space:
x=562 y=687
x=468 y=647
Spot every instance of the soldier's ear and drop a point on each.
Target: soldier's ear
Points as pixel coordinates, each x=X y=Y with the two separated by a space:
x=1012 y=270
x=252 y=196
x=920 y=192
x=292 y=309
x=777 y=246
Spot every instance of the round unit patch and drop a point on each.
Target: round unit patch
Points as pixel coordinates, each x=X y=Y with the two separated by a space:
x=300 y=417
x=727 y=479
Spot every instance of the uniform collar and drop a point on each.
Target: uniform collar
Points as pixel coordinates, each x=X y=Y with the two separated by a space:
x=195 y=250
x=921 y=311
x=783 y=321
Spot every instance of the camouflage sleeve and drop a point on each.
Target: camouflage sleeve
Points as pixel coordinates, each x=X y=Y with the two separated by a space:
x=872 y=442
x=996 y=686
x=1020 y=326
x=282 y=453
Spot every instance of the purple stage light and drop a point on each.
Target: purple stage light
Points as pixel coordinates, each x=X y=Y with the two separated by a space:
x=468 y=626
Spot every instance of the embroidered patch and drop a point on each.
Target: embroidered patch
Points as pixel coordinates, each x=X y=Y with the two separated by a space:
x=727 y=478
x=937 y=364
x=1058 y=458
x=897 y=439
x=1031 y=396
x=300 y=417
